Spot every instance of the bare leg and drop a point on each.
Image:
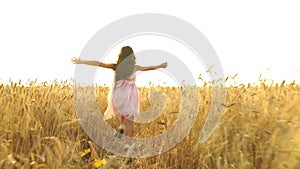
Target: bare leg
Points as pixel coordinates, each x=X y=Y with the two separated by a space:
x=121 y=127
x=129 y=129
x=123 y=119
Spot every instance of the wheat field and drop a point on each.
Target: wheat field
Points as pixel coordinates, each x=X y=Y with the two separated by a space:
x=260 y=128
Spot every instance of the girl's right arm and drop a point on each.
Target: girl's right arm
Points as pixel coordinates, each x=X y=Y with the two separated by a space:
x=92 y=63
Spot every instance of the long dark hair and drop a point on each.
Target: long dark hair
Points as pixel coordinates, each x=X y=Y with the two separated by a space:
x=125 y=65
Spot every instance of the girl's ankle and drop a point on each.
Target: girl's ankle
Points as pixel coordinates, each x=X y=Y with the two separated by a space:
x=126 y=148
x=122 y=126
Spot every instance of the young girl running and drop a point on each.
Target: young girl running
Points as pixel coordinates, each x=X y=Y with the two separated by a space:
x=124 y=98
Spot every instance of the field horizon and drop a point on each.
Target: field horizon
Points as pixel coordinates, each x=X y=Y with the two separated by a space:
x=229 y=81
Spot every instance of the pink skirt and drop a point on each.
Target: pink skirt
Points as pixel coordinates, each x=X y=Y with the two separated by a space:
x=123 y=100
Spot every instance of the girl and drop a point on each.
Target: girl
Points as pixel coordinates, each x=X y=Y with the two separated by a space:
x=124 y=98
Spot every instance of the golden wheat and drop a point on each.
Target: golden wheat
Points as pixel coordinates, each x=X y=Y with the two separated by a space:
x=259 y=129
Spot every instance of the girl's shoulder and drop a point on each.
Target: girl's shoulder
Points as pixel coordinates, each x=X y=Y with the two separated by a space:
x=137 y=68
x=114 y=66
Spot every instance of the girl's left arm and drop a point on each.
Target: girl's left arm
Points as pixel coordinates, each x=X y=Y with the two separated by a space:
x=142 y=68
x=92 y=63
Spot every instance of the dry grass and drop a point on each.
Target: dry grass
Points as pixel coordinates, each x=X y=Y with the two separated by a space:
x=259 y=129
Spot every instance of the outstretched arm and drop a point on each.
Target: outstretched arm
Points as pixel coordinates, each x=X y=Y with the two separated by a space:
x=92 y=63
x=142 y=68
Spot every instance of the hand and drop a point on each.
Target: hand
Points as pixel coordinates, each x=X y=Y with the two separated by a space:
x=164 y=65
x=75 y=60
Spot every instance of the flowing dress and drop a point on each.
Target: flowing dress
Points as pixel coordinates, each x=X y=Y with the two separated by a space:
x=123 y=99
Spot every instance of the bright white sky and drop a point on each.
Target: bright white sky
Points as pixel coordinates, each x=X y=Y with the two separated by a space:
x=38 y=38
